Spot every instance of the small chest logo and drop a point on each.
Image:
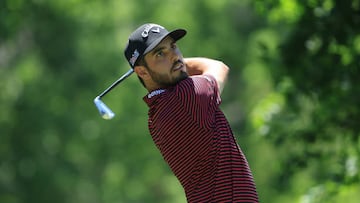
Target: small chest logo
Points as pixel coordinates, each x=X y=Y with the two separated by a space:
x=154 y=93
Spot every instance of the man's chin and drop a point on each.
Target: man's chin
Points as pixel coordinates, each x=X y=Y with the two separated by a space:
x=174 y=81
x=183 y=75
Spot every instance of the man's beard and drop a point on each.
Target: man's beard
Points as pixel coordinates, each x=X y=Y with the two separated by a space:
x=165 y=80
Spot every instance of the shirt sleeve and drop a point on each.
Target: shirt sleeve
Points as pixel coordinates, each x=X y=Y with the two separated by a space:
x=200 y=97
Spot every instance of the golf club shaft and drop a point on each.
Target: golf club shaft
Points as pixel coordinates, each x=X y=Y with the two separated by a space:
x=118 y=81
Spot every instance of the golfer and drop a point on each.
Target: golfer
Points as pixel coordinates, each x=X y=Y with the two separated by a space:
x=185 y=121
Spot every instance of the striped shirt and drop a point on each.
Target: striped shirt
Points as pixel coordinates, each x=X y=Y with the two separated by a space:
x=195 y=139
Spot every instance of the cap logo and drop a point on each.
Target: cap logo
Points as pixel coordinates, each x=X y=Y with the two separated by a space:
x=156 y=30
x=134 y=57
x=149 y=27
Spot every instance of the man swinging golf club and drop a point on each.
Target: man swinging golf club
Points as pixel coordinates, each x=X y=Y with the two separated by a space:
x=185 y=120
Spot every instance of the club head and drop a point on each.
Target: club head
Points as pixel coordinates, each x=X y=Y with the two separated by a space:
x=104 y=111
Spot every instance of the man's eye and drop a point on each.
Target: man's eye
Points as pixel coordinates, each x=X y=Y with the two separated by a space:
x=160 y=53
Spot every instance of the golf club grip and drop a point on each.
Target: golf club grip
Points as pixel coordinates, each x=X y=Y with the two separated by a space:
x=118 y=81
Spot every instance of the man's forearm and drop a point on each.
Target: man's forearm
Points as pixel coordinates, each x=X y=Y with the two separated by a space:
x=206 y=66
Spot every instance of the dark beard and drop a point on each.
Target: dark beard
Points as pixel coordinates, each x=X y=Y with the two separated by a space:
x=164 y=81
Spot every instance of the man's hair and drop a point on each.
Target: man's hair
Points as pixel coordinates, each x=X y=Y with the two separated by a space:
x=141 y=62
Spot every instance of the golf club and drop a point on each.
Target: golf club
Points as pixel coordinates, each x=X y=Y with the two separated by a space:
x=104 y=110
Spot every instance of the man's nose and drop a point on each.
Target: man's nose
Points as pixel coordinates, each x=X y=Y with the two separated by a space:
x=176 y=55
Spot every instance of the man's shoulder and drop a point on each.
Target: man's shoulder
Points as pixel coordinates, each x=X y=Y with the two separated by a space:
x=197 y=80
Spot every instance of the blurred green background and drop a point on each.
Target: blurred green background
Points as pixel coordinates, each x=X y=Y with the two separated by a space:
x=292 y=97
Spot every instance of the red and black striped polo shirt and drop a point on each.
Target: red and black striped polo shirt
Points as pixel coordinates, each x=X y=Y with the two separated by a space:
x=195 y=139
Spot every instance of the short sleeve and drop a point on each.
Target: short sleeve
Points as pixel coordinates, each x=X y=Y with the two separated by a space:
x=200 y=96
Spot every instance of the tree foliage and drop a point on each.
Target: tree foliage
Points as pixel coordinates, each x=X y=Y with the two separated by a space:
x=292 y=97
x=316 y=72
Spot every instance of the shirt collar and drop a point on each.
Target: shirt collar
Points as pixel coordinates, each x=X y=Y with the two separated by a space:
x=152 y=96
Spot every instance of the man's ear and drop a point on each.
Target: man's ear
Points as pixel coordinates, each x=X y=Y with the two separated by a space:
x=142 y=72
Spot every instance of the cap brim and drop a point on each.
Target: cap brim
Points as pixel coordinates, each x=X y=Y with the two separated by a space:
x=175 y=34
